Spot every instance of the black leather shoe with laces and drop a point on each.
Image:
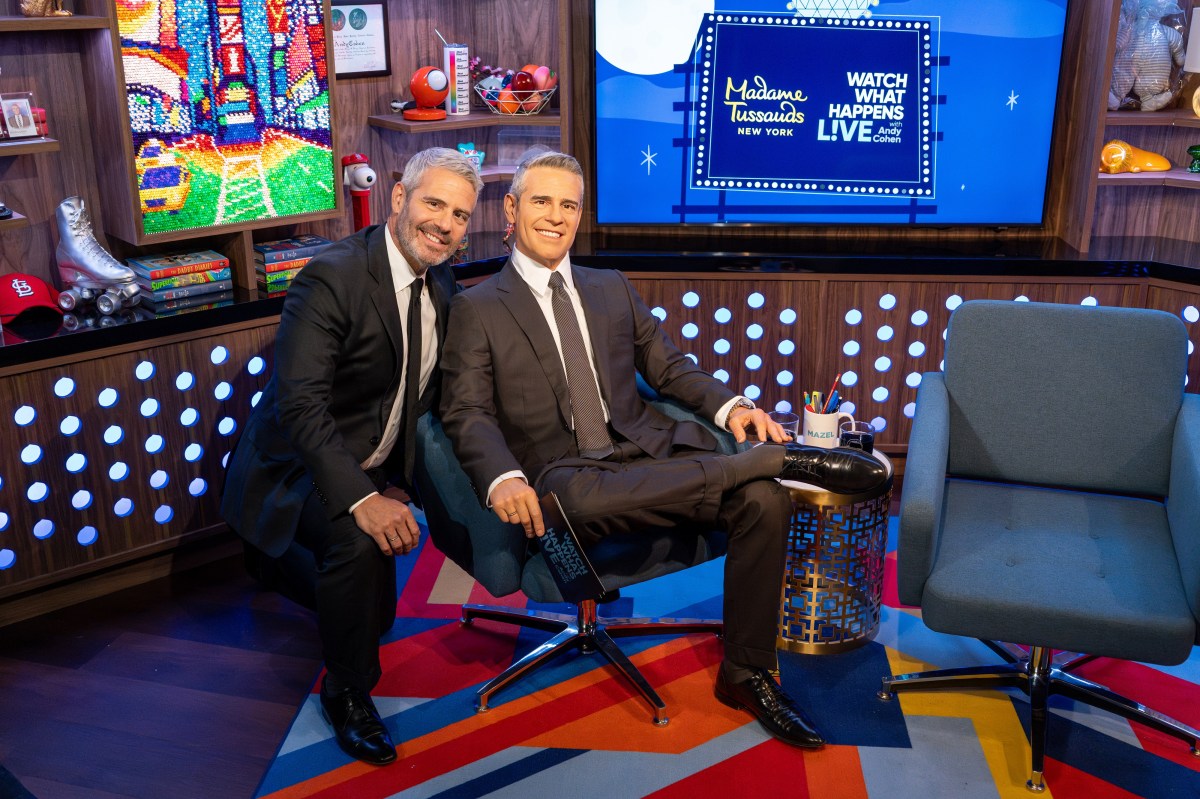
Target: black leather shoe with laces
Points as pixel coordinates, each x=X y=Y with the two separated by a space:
x=774 y=709
x=357 y=726
x=841 y=470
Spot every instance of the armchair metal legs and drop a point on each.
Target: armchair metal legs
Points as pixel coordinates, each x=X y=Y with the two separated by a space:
x=587 y=631
x=1039 y=676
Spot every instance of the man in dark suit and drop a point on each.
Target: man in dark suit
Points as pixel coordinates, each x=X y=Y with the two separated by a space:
x=355 y=364
x=539 y=395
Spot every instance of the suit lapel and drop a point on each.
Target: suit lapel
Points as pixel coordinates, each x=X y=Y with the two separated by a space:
x=595 y=309
x=384 y=295
x=526 y=312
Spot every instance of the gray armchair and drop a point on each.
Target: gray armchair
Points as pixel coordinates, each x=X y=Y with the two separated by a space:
x=500 y=557
x=1052 y=499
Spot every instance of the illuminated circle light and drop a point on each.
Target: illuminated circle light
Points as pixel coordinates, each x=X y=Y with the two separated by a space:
x=883 y=363
x=31 y=454
x=7 y=558
x=953 y=301
x=189 y=417
x=193 y=452
x=885 y=333
x=880 y=394
x=219 y=355
x=76 y=462
x=123 y=507
x=691 y=299
x=787 y=316
x=223 y=391
x=70 y=425
x=756 y=300
x=1021 y=298
x=184 y=381
x=910 y=409
x=43 y=529
x=722 y=316
x=81 y=499
x=690 y=356
x=913 y=380
x=849 y=378
x=108 y=397
x=721 y=375
x=1191 y=314
x=850 y=348
x=87 y=536
x=159 y=479
x=848 y=407
x=118 y=472
x=149 y=407
x=754 y=332
x=783 y=406
x=3 y=521
x=752 y=392
x=721 y=346
x=787 y=347
x=753 y=362
x=144 y=370
x=690 y=330
x=784 y=378
x=879 y=423
x=227 y=426
x=197 y=487
x=916 y=349
x=225 y=461
x=113 y=435
x=887 y=302
x=24 y=415
x=254 y=400
x=659 y=313
x=154 y=443
x=64 y=387
x=853 y=316
x=256 y=365
x=164 y=514
x=919 y=318
x=37 y=492
x=1089 y=301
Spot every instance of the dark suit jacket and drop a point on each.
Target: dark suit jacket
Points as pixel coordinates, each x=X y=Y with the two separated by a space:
x=338 y=362
x=505 y=403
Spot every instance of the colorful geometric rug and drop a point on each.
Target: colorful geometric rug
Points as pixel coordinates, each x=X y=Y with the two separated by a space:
x=573 y=729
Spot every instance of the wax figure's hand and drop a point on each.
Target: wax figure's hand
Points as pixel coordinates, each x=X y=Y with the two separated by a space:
x=515 y=502
x=746 y=421
x=389 y=522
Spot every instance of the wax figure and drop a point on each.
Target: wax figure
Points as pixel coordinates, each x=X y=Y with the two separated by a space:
x=355 y=365
x=539 y=395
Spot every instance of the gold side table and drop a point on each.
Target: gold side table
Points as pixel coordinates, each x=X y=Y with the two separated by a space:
x=833 y=583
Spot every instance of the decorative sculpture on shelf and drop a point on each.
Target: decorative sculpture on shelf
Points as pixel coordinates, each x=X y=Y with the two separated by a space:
x=1149 y=56
x=44 y=8
x=87 y=271
x=1121 y=156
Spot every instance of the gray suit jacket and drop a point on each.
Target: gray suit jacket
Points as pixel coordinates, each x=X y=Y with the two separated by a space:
x=338 y=362
x=505 y=403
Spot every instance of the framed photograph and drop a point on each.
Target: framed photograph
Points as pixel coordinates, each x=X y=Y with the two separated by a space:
x=360 y=39
x=17 y=111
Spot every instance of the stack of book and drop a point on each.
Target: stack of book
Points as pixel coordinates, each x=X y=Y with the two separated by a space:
x=277 y=262
x=188 y=282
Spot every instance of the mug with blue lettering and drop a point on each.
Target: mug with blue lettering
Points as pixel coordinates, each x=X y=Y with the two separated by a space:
x=821 y=429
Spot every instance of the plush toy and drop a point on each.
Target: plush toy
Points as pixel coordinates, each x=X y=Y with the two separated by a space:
x=43 y=8
x=1149 y=55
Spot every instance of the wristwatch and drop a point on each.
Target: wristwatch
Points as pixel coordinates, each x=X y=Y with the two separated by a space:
x=741 y=403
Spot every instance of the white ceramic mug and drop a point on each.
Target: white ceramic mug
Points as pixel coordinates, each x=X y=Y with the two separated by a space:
x=821 y=429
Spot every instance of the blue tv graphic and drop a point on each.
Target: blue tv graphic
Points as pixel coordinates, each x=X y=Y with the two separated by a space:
x=896 y=112
x=857 y=118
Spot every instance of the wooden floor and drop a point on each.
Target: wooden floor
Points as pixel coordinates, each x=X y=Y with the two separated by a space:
x=180 y=688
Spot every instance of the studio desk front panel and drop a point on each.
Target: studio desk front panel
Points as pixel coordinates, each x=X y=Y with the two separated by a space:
x=115 y=454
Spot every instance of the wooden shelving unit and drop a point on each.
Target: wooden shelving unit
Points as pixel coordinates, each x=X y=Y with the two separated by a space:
x=475 y=119
x=15 y=221
x=1177 y=117
x=28 y=146
x=490 y=173
x=76 y=22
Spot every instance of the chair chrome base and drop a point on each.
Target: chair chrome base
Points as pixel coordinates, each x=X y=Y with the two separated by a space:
x=1038 y=676
x=587 y=631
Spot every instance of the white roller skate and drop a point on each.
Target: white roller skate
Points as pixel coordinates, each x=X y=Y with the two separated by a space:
x=88 y=272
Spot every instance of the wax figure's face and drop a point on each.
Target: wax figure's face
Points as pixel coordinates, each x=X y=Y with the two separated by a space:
x=429 y=222
x=546 y=216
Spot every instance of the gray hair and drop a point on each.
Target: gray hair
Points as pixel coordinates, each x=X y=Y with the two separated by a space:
x=439 y=158
x=543 y=158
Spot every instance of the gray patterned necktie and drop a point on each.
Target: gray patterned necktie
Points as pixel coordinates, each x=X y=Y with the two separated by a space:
x=591 y=433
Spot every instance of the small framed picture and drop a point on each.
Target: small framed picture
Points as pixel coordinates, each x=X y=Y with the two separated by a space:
x=17 y=112
x=360 y=39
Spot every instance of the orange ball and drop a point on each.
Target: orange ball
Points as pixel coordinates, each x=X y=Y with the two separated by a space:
x=507 y=102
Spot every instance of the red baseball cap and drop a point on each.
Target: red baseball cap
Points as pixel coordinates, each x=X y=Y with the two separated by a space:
x=21 y=293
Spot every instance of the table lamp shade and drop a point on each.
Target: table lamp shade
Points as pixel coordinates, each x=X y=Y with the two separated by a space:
x=1192 y=62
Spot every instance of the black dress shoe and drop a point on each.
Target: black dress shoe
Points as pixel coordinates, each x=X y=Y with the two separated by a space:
x=841 y=470
x=357 y=726
x=775 y=710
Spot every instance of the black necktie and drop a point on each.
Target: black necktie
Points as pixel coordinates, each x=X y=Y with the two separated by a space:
x=412 y=380
x=591 y=433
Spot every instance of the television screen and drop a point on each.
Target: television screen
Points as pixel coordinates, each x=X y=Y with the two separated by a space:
x=927 y=112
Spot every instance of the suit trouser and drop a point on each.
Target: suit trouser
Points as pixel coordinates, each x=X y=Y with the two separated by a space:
x=691 y=491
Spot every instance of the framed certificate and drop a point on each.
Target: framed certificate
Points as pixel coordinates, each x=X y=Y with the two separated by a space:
x=360 y=39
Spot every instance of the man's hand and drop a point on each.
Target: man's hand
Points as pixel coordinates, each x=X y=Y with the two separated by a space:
x=743 y=421
x=389 y=522
x=515 y=502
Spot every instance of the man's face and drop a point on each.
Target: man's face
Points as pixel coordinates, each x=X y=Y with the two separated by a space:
x=429 y=222
x=546 y=216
